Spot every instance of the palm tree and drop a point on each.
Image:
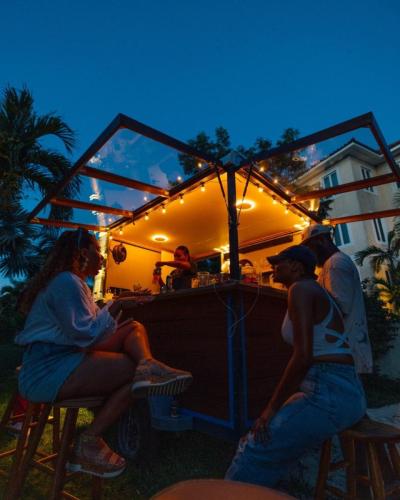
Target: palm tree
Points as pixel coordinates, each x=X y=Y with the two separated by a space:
x=26 y=163
x=380 y=256
x=389 y=290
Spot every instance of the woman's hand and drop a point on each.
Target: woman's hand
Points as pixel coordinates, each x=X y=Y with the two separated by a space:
x=260 y=427
x=159 y=263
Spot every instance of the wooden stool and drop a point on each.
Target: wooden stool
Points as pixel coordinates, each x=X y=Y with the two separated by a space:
x=23 y=461
x=374 y=437
x=217 y=489
x=6 y=425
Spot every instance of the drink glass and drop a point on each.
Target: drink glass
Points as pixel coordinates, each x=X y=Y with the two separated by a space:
x=204 y=278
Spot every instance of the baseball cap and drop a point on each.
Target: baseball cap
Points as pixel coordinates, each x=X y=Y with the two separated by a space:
x=299 y=253
x=315 y=230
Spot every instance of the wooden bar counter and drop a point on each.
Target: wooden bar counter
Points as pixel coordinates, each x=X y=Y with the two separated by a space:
x=228 y=336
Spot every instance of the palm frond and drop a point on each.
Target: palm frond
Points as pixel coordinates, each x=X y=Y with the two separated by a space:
x=366 y=253
x=52 y=124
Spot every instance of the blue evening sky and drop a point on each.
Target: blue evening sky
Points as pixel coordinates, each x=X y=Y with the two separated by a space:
x=184 y=66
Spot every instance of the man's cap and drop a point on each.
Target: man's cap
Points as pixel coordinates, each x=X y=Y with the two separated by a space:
x=315 y=230
x=299 y=253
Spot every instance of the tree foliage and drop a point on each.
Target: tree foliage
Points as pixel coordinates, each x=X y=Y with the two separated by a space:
x=26 y=164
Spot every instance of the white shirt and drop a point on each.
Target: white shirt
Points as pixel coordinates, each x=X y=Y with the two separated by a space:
x=339 y=276
x=64 y=313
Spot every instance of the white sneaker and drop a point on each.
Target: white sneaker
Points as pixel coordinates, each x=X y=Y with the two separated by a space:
x=153 y=378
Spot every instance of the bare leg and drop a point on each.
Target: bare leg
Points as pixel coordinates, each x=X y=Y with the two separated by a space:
x=105 y=374
x=130 y=338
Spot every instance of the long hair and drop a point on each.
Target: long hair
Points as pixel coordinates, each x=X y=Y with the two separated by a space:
x=61 y=258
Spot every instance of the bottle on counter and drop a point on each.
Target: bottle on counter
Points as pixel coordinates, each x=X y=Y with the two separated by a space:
x=156 y=280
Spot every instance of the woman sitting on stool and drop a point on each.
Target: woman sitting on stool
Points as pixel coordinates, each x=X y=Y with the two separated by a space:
x=319 y=393
x=75 y=350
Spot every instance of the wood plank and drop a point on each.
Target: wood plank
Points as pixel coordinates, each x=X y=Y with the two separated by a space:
x=64 y=223
x=394 y=212
x=65 y=202
x=123 y=181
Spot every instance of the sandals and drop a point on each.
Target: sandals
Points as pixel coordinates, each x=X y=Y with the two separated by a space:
x=93 y=456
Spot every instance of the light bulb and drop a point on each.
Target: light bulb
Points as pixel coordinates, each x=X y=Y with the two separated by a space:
x=199 y=164
x=274 y=202
x=146 y=217
x=260 y=189
x=110 y=237
x=262 y=169
x=181 y=200
x=179 y=178
x=163 y=209
x=275 y=181
x=145 y=198
x=202 y=187
x=121 y=232
x=286 y=211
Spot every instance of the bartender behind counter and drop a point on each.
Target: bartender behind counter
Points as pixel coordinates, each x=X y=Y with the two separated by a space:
x=185 y=268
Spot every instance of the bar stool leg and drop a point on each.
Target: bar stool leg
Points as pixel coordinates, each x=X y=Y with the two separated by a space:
x=349 y=453
x=377 y=484
x=395 y=458
x=56 y=429
x=323 y=472
x=66 y=441
x=21 y=461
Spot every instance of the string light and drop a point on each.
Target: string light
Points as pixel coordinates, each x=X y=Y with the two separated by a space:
x=121 y=232
x=181 y=200
x=146 y=216
x=145 y=198
x=286 y=211
x=199 y=164
x=179 y=178
x=260 y=189
x=274 y=202
x=163 y=209
x=287 y=191
x=110 y=237
x=275 y=181
x=262 y=169
x=109 y=219
x=202 y=187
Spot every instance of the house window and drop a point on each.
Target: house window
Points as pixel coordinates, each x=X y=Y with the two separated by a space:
x=379 y=232
x=330 y=180
x=366 y=173
x=341 y=235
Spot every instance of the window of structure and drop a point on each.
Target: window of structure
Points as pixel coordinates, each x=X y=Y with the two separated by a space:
x=342 y=235
x=366 y=173
x=330 y=180
x=379 y=231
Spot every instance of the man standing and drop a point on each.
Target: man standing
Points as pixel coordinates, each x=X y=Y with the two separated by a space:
x=339 y=276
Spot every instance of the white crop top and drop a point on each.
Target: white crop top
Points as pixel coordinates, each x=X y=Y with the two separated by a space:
x=321 y=333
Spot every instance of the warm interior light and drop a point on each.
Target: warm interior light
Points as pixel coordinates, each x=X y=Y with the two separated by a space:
x=260 y=189
x=274 y=202
x=121 y=232
x=286 y=211
x=326 y=222
x=262 y=169
x=159 y=238
x=163 y=209
x=287 y=191
x=275 y=181
x=199 y=164
x=110 y=237
x=181 y=200
x=202 y=187
x=146 y=217
x=245 y=205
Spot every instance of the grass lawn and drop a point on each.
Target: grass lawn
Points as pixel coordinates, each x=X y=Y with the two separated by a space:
x=180 y=456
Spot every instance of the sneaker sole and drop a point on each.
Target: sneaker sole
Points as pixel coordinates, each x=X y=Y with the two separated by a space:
x=71 y=467
x=171 y=387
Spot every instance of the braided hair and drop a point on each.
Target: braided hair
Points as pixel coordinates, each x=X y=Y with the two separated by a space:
x=61 y=258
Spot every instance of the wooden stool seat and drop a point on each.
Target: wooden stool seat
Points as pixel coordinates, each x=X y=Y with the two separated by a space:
x=370 y=430
x=378 y=443
x=26 y=458
x=217 y=489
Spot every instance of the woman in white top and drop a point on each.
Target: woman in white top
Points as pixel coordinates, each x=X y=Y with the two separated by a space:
x=73 y=349
x=319 y=393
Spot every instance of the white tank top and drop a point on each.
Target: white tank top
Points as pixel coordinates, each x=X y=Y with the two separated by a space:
x=321 y=333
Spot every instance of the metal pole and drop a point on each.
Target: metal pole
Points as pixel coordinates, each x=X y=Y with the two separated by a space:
x=233 y=224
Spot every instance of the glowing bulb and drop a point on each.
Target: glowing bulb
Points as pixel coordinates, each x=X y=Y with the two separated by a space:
x=146 y=217
x=286 y=211
x=260 y=189
x=179 y=178
x=110 y=237
x=262 y=169
x=274 y=202
x=275 y=181
x=181 y=200
x=202 y=187
x=109 y=219
x=199 y=164
x=121 y=232
x=287 y=191
x=163 y=209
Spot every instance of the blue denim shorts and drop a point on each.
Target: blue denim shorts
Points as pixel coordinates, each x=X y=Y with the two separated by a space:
x=45 y=368
x=331 y=399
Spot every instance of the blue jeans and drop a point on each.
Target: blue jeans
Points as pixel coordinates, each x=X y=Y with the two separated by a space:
x=331 y=399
